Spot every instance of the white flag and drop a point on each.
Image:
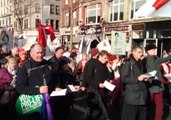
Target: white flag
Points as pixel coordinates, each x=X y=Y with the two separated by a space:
x=152 y=8
x=104 y=45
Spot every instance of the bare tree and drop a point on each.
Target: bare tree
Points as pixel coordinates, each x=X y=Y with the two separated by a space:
x=22 y=9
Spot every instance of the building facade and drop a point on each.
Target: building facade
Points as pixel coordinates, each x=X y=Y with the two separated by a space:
x=24 y=15
x=105 y=16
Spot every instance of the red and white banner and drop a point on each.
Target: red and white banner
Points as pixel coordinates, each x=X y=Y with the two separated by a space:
x=154 y=8
x=43 y=31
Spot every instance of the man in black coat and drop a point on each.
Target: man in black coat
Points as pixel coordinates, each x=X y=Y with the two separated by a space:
x=30 y=78
x=135 y=97
x=96 y=74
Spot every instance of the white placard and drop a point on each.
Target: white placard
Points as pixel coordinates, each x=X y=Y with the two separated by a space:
x=72 y=88
x=61 y=92
x=109 y=86
x=151 y=74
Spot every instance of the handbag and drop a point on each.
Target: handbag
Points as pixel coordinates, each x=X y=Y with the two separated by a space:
x=5 y=98
x=27 y=104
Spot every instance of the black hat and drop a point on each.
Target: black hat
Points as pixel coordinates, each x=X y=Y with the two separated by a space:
x=150 y=46
x=58 y=48
x=63 y=60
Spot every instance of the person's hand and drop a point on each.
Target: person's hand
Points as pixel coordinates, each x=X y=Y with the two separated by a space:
x=101 y=85
x=43 y=89
x=143 y=78
x=77 y=87
x=169 y=81
x=82 y=88
x=57 y=89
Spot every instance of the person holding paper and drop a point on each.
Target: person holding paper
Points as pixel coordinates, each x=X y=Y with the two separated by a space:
x=155 y=85
x=135 y=95
x=98 y=98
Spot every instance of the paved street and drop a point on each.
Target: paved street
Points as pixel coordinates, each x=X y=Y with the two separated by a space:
x=78 y=113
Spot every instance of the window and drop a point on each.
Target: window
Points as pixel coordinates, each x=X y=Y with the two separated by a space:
x=116 y=10
x=66 y=2
x=57 y=9
x=93 y=14
x=135 y=5
x=26 y=24
x=37 y=8
x=67 y=19
x=25 y=9
x=74 y=19
x=52 y=9
x=15 y=25
x=57 y=25
x=6 y=21
x=37 y=23
x=52 y=23
x=9 y=21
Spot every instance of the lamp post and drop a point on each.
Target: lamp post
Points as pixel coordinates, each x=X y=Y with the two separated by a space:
x=72 y=9
x=71 y=25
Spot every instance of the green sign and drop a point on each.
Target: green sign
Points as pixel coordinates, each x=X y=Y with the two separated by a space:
x=27 y=104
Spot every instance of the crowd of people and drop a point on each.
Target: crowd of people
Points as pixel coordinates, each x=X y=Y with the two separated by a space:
x=27 y=72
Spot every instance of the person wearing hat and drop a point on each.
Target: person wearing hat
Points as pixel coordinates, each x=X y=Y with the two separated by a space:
x=22 y=56
x=155 y=84
x=94 y=54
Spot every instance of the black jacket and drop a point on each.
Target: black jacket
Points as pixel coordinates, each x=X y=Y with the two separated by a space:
x=29 y=82
x=135 y=91
x=97 y=73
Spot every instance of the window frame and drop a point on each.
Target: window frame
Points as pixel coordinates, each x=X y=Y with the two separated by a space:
x=119 y=14
x=97 y=11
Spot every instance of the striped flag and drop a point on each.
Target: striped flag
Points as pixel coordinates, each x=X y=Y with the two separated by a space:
x=43 y=31
x=151 y=8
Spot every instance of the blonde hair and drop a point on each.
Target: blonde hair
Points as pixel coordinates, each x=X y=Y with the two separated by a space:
x=9 y=59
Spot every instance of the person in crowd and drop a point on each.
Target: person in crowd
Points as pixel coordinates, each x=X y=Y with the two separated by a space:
x=94 y=53
x=73 y=62
x=4 y=53
x=155 y=85
x=165 y=53
x=135 y=96
x=96 y=75
x=22 y=56
x=62 y=104
x=166 y=70
x=54 y=60
x=14 y=52
x=35 y=77
x=80 y=67
x=8 y=94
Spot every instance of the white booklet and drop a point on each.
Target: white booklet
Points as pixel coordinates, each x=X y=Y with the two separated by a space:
x=72 y=88
x=108 y=85
x=61 y=92
x=151 y=74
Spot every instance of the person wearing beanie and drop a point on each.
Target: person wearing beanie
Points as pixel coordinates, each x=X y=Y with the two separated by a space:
x=155 y=85
x=94 y=54
x=22 y=56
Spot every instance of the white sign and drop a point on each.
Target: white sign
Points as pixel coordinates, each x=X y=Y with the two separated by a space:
x=118 y=42
x=109 y=86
